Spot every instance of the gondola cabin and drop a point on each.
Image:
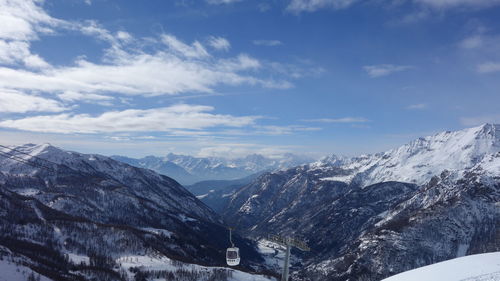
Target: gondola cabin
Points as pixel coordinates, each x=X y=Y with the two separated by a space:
x=233 y=256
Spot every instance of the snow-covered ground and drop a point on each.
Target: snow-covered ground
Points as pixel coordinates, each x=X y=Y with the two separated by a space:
x=12 y=272
x=158 y=231
x=273 y=253
x=150 y=263
x=483 y=267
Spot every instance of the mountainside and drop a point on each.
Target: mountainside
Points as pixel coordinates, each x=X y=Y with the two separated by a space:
x=373 y=216
x=189 y=170
x=71 y=201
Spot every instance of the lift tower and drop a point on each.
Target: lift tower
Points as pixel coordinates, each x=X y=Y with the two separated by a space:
x=288 y=242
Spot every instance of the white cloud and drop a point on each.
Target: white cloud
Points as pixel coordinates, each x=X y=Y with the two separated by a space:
x=23 y=19
x=283 y=130
x=484 y=48
x=241 y=62
x=124 y=36
x=15 y=52
x=236 y=150
x=415 y=16
x=380 y=70
x=264 y=7
x=22 y=22
x=457 y=3
x=148 y=67
x=483 y=42
x=304 y=69
x=479 y=120
x=196 y=50
x=488 y=67
x=219 y=43
x=35 y=62
x=339 y=120
x=472 y=42
x=269 y=43
x=219 y=2
x=418 y=106
x=141 y=74
x=298 y=6
x=130 y=66
x=71 y=96
x=17 y=102
x=186 y=117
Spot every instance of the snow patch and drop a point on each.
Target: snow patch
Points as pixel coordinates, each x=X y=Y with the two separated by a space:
x=28 y=192
x=185 y=218
x=158 y=231
x=202 y=196
x=346 y=179
x=78 y=259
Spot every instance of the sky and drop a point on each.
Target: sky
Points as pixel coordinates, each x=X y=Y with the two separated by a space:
x=233 y=77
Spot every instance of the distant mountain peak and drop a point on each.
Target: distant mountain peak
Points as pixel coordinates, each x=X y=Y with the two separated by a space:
x=190 y=169
x=424 y=157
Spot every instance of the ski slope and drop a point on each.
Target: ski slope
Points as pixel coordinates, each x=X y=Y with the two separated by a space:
x=483 y=267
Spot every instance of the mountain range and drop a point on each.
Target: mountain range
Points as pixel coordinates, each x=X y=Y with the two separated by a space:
x=70 y=216
x=188 y=170
x=73 y=216
x=372 y=216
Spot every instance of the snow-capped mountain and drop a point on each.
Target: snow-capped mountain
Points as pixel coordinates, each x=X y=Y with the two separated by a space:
x=56 y=203
x=420 y=160
x=373 y=216
x=188 y=169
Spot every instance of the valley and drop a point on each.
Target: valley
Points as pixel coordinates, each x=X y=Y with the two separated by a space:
x=71 y=216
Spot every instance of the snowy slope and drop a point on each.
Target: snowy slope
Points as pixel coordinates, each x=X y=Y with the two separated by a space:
x=483 y=267
x=13 y=272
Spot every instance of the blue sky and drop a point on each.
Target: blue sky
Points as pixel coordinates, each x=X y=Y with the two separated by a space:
x=229 y=78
